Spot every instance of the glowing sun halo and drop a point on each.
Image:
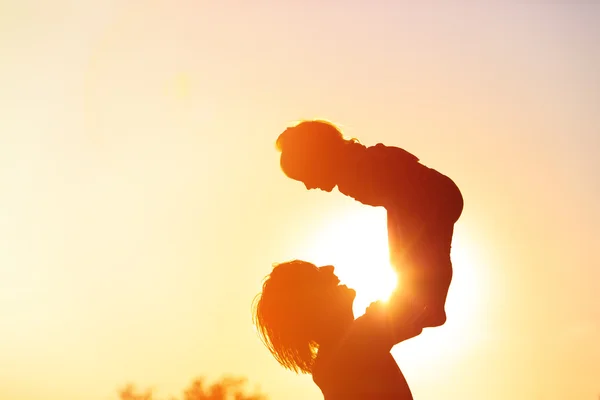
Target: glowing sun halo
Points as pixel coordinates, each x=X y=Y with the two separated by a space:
x=356 y=244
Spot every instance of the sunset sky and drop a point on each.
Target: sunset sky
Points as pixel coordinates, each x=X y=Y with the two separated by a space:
x=141 y=200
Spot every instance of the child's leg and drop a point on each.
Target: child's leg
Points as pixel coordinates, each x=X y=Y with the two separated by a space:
x=432 y=257
x=420 y=242
x=432 y=254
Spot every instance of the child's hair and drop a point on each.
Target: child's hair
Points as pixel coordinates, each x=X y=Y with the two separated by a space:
x=311 y=142
x=309 y=134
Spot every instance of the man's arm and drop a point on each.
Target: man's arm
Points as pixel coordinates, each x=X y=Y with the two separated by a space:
x=386 y=324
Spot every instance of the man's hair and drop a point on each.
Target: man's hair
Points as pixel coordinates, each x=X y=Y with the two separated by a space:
x=286 y=314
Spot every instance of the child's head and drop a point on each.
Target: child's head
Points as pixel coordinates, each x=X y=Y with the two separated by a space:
x=311 y=152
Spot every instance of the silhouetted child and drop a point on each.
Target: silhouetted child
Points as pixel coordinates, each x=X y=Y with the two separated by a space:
x=422 y=204
x=304 y=317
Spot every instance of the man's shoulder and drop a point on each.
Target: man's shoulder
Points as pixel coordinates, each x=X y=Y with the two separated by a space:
x=363 y=339
x=370 y=327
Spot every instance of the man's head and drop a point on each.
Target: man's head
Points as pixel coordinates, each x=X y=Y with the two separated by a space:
x=300 y=306
x=312 y=152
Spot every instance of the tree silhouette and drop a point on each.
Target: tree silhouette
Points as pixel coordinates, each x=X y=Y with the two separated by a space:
x=226 y=388
x=130 y=392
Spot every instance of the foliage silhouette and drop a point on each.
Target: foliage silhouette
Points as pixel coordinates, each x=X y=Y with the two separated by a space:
x=226 y=388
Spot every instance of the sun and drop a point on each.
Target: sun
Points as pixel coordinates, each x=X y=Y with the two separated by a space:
x=355 y=242
x=356 y=245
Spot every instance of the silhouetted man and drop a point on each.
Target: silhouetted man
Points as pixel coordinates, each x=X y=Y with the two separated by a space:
x=422 y=204
x=305 y=319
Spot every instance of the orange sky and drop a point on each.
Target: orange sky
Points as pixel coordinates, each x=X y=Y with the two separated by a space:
x=142 y=202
